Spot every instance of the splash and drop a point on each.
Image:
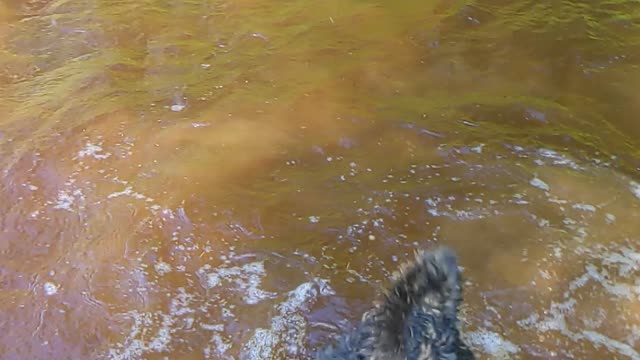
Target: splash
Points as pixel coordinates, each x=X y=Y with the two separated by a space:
x=536 y=182
x=50 y=288
x=492 y=344
x=245 y=279
x=94 y=151
x=286 y=336
x=67 y=198
x=162 y=268
x=635 y=189
x=610 y=273
x=559 y=159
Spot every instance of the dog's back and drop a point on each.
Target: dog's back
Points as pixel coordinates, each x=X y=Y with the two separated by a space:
x=417 y=318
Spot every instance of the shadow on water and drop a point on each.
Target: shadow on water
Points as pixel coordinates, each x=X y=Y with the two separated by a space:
x=237 y=179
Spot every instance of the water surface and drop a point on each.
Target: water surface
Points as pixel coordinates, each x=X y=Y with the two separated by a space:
x=237 y=179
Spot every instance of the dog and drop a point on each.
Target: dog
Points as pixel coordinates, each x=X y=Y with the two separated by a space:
x=417 y=318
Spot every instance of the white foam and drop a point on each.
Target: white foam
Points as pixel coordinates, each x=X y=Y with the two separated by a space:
x=433 y=202
x=285 y=338
x=116 y=194
x=610 y=218
x=558 y=159
x=215 y=327
x=617 y=289
x=611 y=344
x=128 y=191
x=492 y=343
x=162 y=340
x=180 y=304
x=65 y=200
x=246 y=279
x=441 y=207
x=477 y=149
x=142 y=339
x=177 y=107
x=627 y=263
x=50 y=288
x=466 y=215
x=263 y=344
x=162 y=268
x=218 y=347
x=584 y=207
x=557 y=322
x=535 y=182
x=635 y=189
x=94 y=151
x=153 y=332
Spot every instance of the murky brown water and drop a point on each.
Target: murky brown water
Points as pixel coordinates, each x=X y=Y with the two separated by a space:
x=237 y=179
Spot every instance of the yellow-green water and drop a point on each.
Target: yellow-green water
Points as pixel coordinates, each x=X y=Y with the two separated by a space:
x=237 y=179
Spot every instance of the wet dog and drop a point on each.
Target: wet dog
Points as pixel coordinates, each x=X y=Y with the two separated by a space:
x=416 y=319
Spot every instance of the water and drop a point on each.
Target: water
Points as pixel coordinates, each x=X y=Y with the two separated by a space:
x=237 y=180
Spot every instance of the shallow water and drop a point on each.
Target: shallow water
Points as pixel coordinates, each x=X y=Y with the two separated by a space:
x=237 y=179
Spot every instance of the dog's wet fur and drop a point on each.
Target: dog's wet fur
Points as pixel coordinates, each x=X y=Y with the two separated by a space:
x=416 y=319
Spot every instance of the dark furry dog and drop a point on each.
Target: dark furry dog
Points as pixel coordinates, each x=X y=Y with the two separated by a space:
x=417 y=319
